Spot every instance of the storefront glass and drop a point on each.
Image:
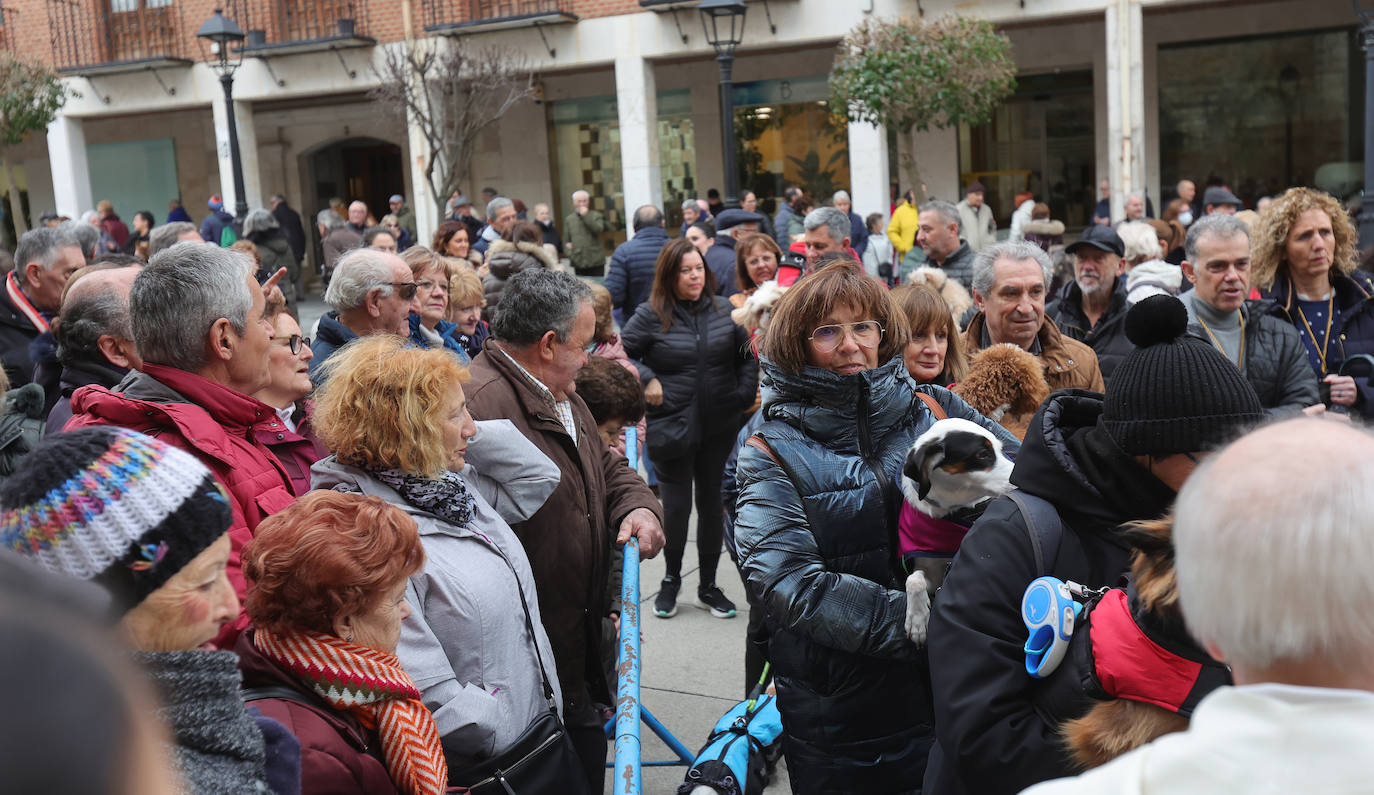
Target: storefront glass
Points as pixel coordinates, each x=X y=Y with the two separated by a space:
x=1263 y=114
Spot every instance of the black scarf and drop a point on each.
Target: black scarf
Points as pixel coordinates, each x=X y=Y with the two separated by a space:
x=446 y=497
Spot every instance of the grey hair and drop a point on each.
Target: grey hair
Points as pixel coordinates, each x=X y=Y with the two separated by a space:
x=1214 y=225
x=537 y=301
x=328 y=219
x=985 y=262
x=165 y=236
x=835 y=222
x=945 y=210
x=576 y=193
x=357 y=273
x=496 y=205
x=1268 y=573
x=1140 y=241
x=79 y=233
x=841 y=196
x=41 y=245
x=179 y=296
x=259 y=221
x=86 y=317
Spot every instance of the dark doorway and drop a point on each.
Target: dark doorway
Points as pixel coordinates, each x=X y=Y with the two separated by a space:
x=366 y=169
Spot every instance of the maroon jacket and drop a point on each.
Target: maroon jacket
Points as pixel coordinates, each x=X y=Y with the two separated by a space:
x=217 y=425
x=338 y=755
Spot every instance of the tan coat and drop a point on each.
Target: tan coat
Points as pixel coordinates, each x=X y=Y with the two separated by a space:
x=1069 y=364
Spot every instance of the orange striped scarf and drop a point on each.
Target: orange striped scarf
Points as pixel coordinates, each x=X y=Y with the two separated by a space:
x=371 y=685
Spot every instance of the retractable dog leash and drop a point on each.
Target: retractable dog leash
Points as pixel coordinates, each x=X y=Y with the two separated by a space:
x=1050 y=609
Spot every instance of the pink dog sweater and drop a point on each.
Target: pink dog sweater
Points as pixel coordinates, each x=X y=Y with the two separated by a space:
x=925 y=536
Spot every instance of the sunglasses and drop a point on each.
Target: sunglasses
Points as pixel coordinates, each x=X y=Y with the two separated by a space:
x=295 y=342
x=406 y=290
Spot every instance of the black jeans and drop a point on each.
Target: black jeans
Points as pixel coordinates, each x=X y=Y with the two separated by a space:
x=705 y=467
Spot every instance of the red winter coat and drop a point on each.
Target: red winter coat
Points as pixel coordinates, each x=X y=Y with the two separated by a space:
x=338 y=755
x=217 y=425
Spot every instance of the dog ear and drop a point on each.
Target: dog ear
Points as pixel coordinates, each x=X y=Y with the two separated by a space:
x=915 y=467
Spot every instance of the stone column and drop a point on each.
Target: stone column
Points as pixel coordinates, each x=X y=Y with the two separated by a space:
x=71 y=176
x=248 y=153
x=868 y=179
x=637 y=105
x=1125 y=100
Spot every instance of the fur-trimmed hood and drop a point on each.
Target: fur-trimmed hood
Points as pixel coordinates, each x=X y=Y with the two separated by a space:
x=1048 y=228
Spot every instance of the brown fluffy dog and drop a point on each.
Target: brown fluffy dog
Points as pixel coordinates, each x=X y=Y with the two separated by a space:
x=1114 y=727
x=1006 y=384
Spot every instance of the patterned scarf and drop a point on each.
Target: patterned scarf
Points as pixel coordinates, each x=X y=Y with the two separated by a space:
x=370 y=685
x=446 y=498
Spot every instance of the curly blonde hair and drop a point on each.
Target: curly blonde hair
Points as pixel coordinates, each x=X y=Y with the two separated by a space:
x=382 y=405
x=1269 y=237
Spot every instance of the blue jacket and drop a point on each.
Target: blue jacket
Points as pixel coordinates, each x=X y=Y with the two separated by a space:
x=630 y=277
x=330 y=336
x=816 y=532
x=447 y=331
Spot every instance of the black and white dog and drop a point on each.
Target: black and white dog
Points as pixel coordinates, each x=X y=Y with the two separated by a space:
x=953 y=469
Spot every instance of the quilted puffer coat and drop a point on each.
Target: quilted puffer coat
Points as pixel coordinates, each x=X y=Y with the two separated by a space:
x=816 y=529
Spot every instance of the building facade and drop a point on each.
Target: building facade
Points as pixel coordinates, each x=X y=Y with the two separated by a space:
x=1257 y=94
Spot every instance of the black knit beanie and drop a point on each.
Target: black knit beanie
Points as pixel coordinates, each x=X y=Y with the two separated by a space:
x=112 y=506
x=1174 y=393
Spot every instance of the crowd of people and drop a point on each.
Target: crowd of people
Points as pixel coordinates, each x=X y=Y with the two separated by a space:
x=380 y=555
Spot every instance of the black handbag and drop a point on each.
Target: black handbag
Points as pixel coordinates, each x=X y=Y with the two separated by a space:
x=542 y=760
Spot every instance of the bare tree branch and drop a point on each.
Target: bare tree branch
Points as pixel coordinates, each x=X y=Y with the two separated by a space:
x=451 y=93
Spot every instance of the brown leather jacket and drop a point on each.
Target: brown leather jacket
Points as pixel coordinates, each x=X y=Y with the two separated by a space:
x=1069 y=364
x=569 y=540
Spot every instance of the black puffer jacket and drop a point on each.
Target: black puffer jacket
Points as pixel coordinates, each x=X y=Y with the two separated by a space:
x=815 y=529
x=705 y=366
x=994 y=733
x=1107 y=338
x=1355 y=298
x=1275 y=361
x=507 y=259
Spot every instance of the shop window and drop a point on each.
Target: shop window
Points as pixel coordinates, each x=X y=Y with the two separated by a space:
x=1263 y=114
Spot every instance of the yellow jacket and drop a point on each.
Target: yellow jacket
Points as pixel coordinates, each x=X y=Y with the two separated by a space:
x=902 y=229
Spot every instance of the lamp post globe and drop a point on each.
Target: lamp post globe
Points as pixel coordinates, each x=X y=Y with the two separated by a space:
x=221 y=33
x=723 y=23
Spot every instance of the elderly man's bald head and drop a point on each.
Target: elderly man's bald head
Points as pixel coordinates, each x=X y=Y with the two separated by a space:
x=1274 y=538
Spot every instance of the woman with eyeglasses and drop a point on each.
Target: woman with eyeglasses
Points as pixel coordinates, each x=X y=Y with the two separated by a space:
x=700 y=376
x=288 y=364
x=428 y=328
x=820 y=491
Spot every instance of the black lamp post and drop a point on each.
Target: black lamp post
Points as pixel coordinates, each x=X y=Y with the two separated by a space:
x=1366 y=16
x=723 y=21
x=221 y=32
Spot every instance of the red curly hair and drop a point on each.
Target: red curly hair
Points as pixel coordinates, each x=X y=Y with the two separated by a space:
x=329 y=554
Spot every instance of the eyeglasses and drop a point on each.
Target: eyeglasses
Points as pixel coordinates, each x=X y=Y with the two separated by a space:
x=429 y=286
x=295 y=342
x=867 y=333
x=406 y=290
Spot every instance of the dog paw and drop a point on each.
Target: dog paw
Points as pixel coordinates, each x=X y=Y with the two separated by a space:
x=917 y=607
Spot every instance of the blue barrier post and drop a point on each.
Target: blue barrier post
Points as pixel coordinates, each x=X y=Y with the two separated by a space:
x=628 y=772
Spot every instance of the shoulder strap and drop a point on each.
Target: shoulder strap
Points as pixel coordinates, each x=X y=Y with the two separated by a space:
x=1044 y=527
x=933 y=405
x=529 y=627
x=275 y=691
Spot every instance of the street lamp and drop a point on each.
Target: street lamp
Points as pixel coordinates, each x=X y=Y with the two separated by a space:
x=1366 y=16
x=723 y=22
x=221 y=32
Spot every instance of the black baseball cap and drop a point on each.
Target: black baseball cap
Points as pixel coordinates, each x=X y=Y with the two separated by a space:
x=1103 y=237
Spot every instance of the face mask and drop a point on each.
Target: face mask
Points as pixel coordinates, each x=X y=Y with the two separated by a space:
x=1185 y=217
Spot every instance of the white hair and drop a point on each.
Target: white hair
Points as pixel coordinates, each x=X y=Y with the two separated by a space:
x=1274 y=549
x=1141 y=242
x=358 y=273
